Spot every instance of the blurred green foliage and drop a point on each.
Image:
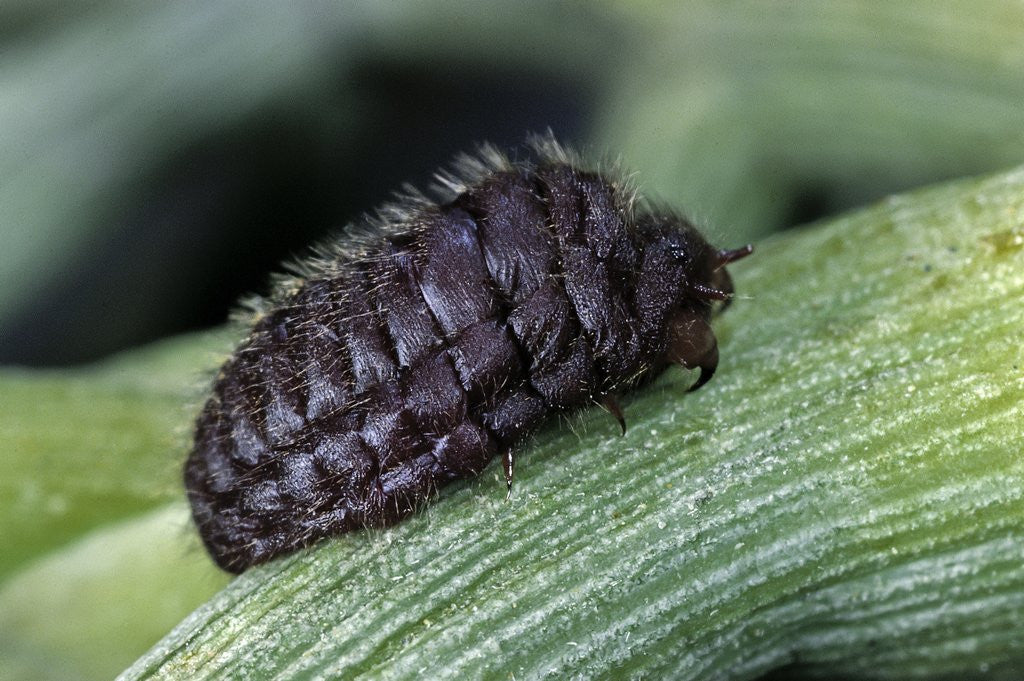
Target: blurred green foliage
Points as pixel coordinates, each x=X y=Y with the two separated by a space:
x=749 y=115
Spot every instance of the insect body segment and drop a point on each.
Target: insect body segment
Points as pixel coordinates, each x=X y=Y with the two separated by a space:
x=411 y=360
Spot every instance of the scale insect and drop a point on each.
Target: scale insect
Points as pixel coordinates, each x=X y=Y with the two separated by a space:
x=439 y=336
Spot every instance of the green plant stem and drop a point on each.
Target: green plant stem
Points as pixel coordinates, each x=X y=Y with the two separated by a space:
x=846 y=496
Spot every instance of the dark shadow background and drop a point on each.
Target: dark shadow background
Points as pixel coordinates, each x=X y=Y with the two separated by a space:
x=211 y=223
x=239 y=156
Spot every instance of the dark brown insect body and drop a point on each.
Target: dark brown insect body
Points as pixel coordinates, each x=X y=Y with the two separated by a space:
x=388 y=369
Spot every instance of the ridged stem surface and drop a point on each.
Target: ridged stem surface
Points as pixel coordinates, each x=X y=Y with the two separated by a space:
x=845 y=497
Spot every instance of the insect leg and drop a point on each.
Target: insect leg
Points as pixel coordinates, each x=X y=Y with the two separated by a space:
x=611 y=403
x=508 y=462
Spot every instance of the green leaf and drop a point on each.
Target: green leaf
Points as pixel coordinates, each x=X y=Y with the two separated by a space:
x=84 y=612
x=751 y=114
x=846 y=496
x=737 y=111
x=88 y=446
x=97 y=98
x=92 y=457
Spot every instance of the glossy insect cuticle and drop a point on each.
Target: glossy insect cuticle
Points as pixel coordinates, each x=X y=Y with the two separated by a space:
x=441 y=338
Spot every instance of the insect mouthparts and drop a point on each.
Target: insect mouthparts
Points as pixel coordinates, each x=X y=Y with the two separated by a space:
x=725 y=257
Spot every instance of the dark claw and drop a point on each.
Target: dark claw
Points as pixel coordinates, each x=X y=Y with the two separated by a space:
x=707 y=368
x=610 y=403
x=692 y=344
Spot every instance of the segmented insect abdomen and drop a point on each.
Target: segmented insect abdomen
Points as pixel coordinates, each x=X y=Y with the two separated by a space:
x=394 y=368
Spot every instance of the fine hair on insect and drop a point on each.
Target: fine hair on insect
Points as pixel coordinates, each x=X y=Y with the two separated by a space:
x=439 y=334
